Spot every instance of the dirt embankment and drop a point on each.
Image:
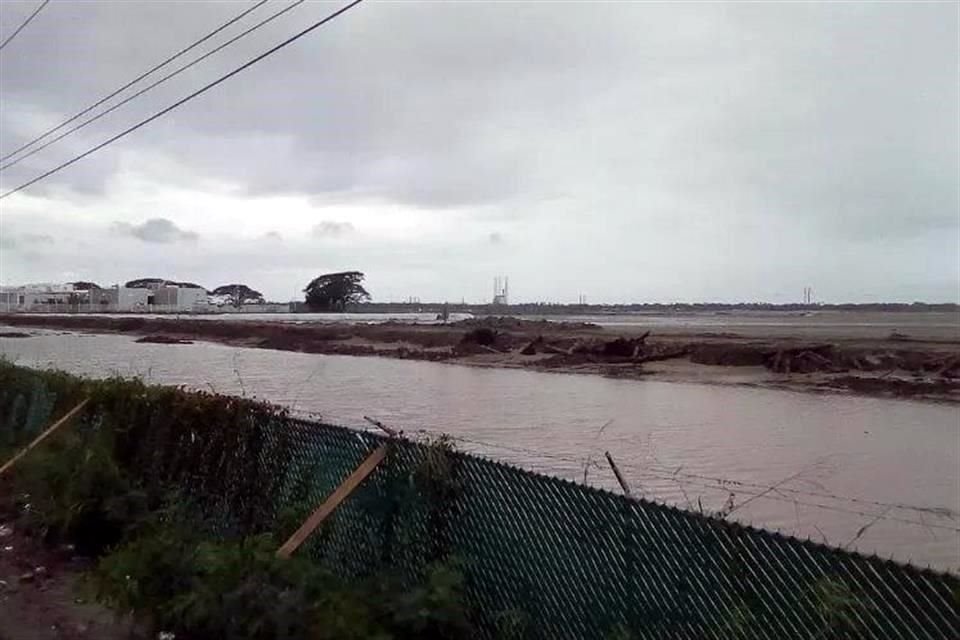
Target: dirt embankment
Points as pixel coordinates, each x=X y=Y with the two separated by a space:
x=894 y=366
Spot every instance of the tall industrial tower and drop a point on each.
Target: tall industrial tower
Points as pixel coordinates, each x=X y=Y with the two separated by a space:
x=501 y=285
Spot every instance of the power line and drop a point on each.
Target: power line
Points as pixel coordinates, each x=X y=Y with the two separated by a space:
x=25 y=23
x=184 y=100
x=154 y=84
x=143 y=75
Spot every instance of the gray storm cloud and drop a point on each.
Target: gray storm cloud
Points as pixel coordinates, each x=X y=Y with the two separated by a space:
x=332 y=229
x=156 y=230
x=730 y=151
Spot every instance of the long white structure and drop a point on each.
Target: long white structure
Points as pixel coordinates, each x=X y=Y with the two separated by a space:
x=117 y=299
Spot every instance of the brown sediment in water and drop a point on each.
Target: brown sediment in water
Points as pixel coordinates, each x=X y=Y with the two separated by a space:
x=916 y=368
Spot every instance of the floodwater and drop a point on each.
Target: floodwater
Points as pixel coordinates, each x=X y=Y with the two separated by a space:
x=872 y=474
x=809 y=324
x=283 y=317
x=816 y=324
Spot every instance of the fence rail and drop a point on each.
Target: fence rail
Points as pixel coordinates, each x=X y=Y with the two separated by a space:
x=545 y=557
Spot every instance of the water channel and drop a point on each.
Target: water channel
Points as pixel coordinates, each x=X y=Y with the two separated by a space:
x=872 y=474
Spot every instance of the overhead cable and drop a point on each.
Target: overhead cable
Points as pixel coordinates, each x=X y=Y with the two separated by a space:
x=182 y=101
x=23 y=24
x=139 y=93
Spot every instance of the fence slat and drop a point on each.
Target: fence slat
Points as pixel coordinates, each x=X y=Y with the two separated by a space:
x=43 y=436
x=330 y=504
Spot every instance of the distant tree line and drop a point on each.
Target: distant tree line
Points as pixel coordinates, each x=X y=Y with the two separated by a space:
x=344 y=291
x=600 y=309
x=233 y=294
x=153 y=283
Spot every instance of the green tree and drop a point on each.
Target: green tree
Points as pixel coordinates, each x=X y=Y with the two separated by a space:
x=153 y=283
x=334 y=291
x=83 y=285
x=238 y=294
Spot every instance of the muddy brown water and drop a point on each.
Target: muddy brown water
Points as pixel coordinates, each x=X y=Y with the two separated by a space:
x=876 y=475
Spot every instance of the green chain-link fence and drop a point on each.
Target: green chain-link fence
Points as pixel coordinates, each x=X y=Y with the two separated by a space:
x=542 y=557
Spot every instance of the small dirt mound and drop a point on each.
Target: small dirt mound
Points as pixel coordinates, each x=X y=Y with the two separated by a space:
x=731 y=355
x=893 y=386
x=805 y=359
x=481 y=335
x=622 y=347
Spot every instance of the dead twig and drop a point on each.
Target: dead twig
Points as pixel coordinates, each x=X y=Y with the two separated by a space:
x=236 y=372
x=767 y=491
x=822 y=534
x=669 y=355
x=616 y=472
x=43 y=436
x=683 y=489
x=589 y=459
x=557 y=350
x=864 y=528
x=727 y=507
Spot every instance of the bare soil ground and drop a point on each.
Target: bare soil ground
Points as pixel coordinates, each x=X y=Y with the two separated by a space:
x=898 y=366
x=39 y=594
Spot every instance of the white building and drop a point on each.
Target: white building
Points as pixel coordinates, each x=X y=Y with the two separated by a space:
x=9 y=299
x=67 y=299
x=178 y=299
x=39 y=297
x=119 y=298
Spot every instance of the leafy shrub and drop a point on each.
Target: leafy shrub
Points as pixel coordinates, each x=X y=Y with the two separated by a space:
x=437 y=480
x=839 y=608
x=105 y=482
x=206 y=589
x=72 y=489
x=172 y=580
x=225 y=448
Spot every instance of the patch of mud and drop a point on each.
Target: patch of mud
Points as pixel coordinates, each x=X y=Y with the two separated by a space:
x=40 y=597
x=897 y=387
x=162 y=339
x=730 y=355
x=507 y=323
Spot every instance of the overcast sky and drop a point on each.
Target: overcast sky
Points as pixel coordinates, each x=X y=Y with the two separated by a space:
x=623 y=151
